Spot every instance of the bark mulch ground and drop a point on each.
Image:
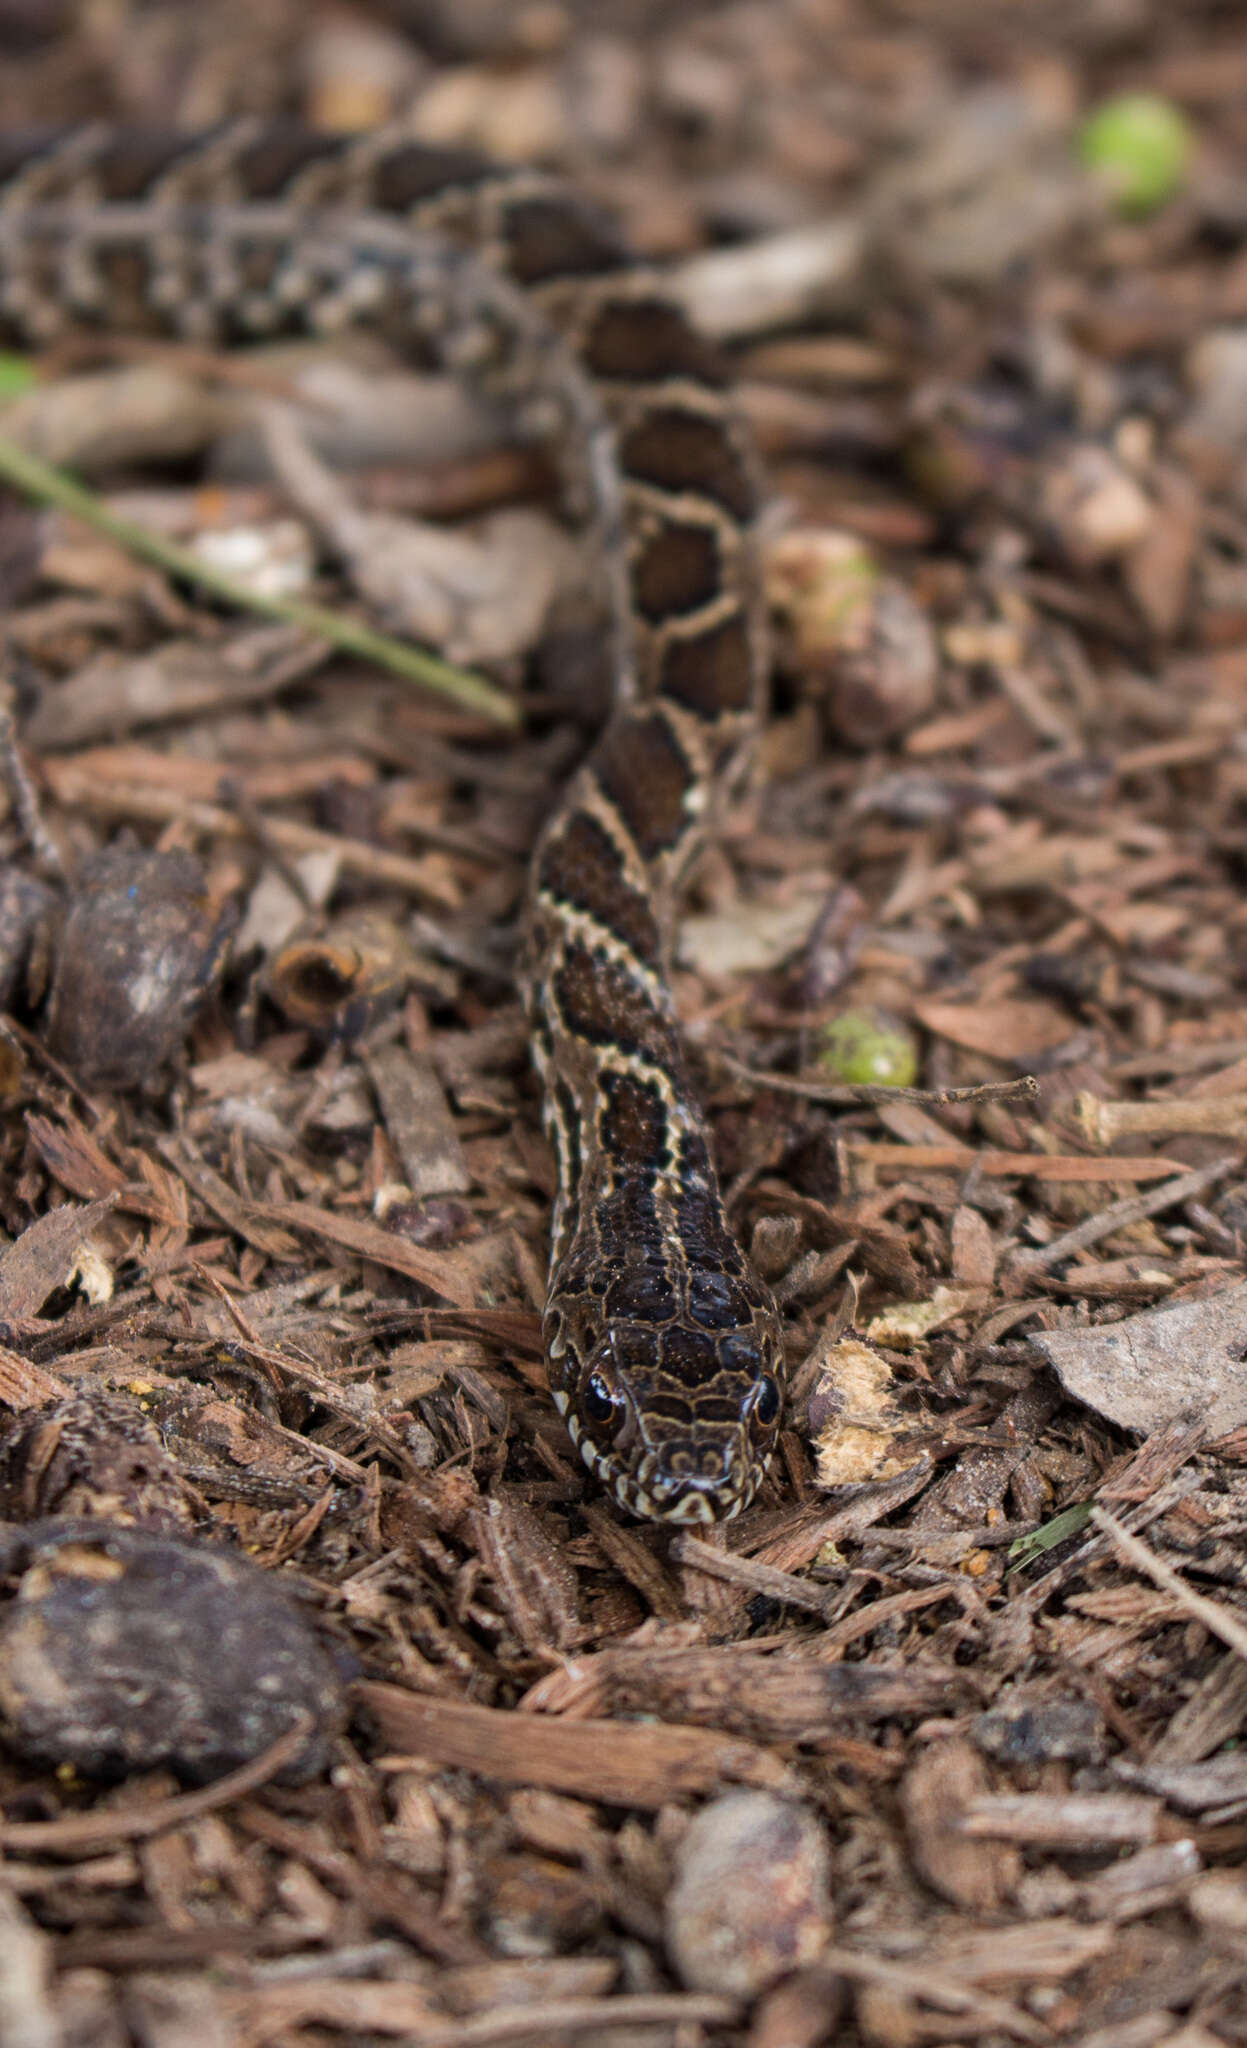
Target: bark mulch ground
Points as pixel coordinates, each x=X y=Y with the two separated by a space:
x=336 y=1703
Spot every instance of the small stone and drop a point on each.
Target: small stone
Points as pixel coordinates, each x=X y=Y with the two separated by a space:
x=751 y=1900
x=274 y=558
x=1095 y=507
x=517 y=118
x=940 y=1785
x=1217 y=1902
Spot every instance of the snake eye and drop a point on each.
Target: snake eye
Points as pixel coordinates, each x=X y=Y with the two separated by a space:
x=766 y=1402
x=600 y=1403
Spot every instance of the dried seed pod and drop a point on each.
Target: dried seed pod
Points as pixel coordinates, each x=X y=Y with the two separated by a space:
x=752 y=1894
x=340 y=977
x=122 y=1650
x=886 y=685
x=140 y=946
x=859 y=635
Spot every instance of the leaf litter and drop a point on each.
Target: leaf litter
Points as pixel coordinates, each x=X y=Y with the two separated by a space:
x=968 y=1683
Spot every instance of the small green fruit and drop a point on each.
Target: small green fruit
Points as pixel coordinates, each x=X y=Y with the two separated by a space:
x=17 y=374
x=868 y=1048
x=1141 y=145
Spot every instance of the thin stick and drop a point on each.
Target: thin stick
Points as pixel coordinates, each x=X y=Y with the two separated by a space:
x=24 y=801
x=753 y=1576
x=52 y=487
x=934 y=1986
x=88 y=1830
x=1048 y=1166
x=849 y=1095
x=1216 y=1619
x=584 y=2016
x=1130 y=1210
x=168 y=807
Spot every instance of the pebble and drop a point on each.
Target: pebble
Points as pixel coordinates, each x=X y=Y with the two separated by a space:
x=751 y=1901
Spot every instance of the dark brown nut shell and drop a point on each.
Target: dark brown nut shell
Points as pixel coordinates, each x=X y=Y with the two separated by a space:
x=122 y=1651
x=140 y=946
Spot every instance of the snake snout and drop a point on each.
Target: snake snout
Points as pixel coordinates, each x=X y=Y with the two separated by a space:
x=696 y=1482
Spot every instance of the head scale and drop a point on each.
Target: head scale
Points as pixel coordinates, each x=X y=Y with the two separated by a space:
x=678 y=1421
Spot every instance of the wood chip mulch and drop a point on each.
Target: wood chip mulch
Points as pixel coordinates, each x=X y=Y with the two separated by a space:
x=336 y=1703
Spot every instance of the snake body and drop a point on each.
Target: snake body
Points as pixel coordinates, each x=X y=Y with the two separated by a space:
x=663 y=1346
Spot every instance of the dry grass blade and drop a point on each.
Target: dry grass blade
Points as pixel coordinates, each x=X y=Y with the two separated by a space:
x=52 y=487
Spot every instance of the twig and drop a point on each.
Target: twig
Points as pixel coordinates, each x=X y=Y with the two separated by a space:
x=52 y=487
x=848 y=1095
x=583 y=2016
x=754 y=1577
x=940 y=1988
x=1130 y=1210
x=88 y=1830
x=166 y=807
x=1054 y=1820
x=1216 y=1619
x=1071 y=1166
x=1101 y=1123
x=25 y=803
x=734 y=294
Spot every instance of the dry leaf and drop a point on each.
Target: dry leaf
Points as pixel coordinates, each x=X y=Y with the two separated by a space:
x=1144 y=1371
x=749 y=938
x=1008 y=1029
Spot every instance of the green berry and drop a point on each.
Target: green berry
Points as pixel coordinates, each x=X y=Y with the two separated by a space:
x=868 y=1048
x=1141 y=145
x=17 y=374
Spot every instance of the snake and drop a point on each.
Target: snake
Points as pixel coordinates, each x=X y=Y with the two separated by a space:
x=664 y=1348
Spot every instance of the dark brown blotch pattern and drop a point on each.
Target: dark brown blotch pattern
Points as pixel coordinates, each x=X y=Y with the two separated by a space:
x=710 y=671
x=676 y=570
x=600 y=1003
x=644 y=772
x=640 y=340
x=681 y=449
x=581 y=866
x=127 y=166
x=633 y=1119
x=555 y=235
x=413 y=172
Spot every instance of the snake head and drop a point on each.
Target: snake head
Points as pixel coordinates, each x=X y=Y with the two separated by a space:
x=679 y=1423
